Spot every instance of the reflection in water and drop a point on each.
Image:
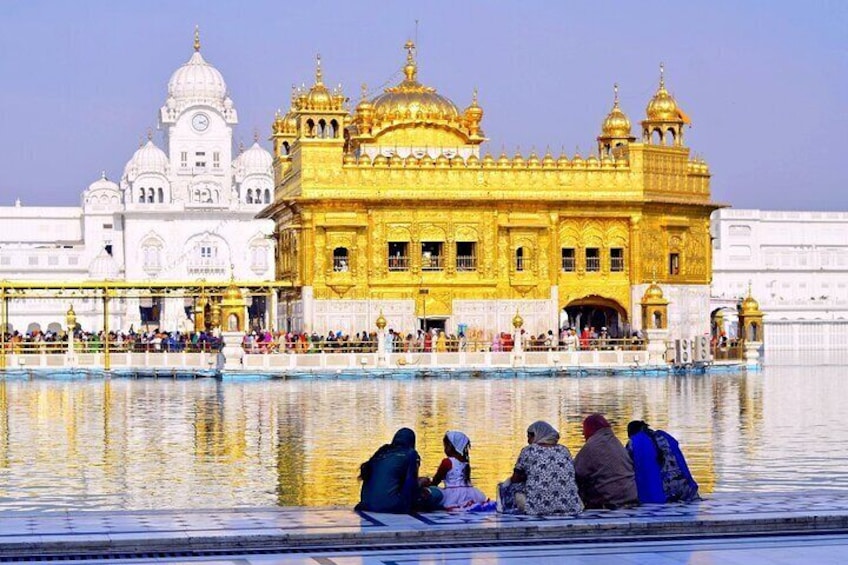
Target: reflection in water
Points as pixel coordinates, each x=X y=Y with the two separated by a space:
x=133 y=444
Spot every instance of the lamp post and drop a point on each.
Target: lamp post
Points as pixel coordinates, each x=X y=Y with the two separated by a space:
x=381 y=339
x=71 y=322
x=424 y=292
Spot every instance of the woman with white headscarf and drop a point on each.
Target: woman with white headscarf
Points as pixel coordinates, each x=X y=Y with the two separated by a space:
x=543 y=479
x=455 y=471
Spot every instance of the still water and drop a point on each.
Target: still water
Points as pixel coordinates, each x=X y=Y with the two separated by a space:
x=136 y=444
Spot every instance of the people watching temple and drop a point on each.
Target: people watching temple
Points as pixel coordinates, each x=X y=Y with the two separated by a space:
x=603 y=467
x=662 y=474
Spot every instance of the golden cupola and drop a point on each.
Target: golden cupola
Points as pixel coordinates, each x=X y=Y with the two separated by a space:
x=411 y=114
x=411 y=100
x=665 y=119
x=615 y=131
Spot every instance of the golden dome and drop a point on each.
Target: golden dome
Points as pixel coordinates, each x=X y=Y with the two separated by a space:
x=662 y=106
x=548 y=160
x=616 y=123
x=563 y=161
x=232 y=295
x=533 y=160
x=503 y=160
x=653 y=293
x=578 y=161
x=750 y=305
x=518 y=159
x=592 y=162
x=472 y=161
x=411 y=100
x=488 y=160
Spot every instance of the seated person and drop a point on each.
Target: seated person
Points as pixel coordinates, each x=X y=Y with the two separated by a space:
x=662 y=474
x=455 y=471
x=543 y=479
x=603 y=467
x=390 y=479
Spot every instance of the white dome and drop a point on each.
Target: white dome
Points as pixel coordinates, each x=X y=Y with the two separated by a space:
x=103 y=267
x=103 y=184
x=197 y=80
x=255 y=160
x=148 y=159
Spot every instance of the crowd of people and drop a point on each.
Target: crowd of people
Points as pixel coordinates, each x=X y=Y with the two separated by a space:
x=154 y=340
x=546 y=480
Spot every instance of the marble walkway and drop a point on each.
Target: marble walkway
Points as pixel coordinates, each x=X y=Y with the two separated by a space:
x=328 y=535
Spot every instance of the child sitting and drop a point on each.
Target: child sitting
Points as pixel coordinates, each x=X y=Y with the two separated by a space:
x=455 y=471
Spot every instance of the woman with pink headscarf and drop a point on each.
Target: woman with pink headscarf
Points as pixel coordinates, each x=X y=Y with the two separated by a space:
x=603 y=468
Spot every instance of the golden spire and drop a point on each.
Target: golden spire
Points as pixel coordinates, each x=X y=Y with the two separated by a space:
x=197 y=38
x=364 y=90
x=662 y=75
x=411 y=68
x=615 y=95
x=319 y=76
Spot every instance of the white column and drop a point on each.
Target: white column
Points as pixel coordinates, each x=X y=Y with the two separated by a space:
x=307 y=300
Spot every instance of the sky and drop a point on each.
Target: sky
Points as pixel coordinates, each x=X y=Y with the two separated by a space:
x=764 y=81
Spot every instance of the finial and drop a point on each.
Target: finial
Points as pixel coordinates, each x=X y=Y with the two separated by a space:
x=277 y=114
x=615 y=96
x=364 y=90
x=140 y=141
x=102 y=175
x=149 y=134
x=662 y=75
x=197 y=39
x=749 y=288
x=232 y=272
x=474 y=97
x=410 y=69
x=319 y=76
x=654 y=274
x=255 y=135
x=241 y=145
x=294 y=92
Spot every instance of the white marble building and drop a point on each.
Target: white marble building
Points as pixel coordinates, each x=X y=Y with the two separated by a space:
x=183 y=212
x=797 y=265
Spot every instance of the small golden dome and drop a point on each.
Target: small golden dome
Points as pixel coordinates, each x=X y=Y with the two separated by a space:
x=578 y=161
x=472 y=161
x=232 y=294
x=653 y=293
x=562 y=161
x=662 y=106
x=607 y=161
x=518 y=159
x=364 y=160
x=442 y=161
x=488 y=160
x=503 y=160
x=517 y=320
x=533 y=161
x=381 y=161
x=349 y=159
x=548 y=160
x=616 y=123
x=592 y=162
x=411 y=100
x=750 y=305
x=381 y=322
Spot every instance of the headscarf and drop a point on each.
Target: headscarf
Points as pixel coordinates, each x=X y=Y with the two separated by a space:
x=459 y=441
x=543 y=433
x=593 y=423
x=404 y=438
x=635 y=427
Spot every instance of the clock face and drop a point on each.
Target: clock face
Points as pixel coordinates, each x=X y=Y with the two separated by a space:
x=200 y=122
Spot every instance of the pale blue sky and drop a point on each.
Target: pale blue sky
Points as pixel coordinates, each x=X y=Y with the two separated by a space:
x=764 y=81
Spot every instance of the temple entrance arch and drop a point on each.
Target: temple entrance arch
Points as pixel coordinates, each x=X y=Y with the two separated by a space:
x=596 y=312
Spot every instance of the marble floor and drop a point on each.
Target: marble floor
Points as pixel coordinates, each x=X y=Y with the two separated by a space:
x=782 y=528
x=782 y=550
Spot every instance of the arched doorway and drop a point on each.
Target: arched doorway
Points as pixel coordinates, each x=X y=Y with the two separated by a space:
x=596 y=312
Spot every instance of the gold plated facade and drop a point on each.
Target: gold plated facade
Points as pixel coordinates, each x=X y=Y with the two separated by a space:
x=395 y=197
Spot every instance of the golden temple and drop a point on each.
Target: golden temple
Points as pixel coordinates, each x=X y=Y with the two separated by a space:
x=393 y=207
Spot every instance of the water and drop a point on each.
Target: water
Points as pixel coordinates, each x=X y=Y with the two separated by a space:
x=137 y=444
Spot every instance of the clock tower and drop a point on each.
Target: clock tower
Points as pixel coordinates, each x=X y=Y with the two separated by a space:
x=198 y=119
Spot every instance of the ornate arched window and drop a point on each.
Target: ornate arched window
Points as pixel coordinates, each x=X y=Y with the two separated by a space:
x=340 y=260
x=141 y=196
x=161 y=195
x=249 y=198
x=267 y=196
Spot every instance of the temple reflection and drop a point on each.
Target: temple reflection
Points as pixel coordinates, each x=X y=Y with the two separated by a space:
x=165 y=444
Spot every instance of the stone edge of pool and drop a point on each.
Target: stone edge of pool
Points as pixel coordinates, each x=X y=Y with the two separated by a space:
x=356 y=373
x=104 y=534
